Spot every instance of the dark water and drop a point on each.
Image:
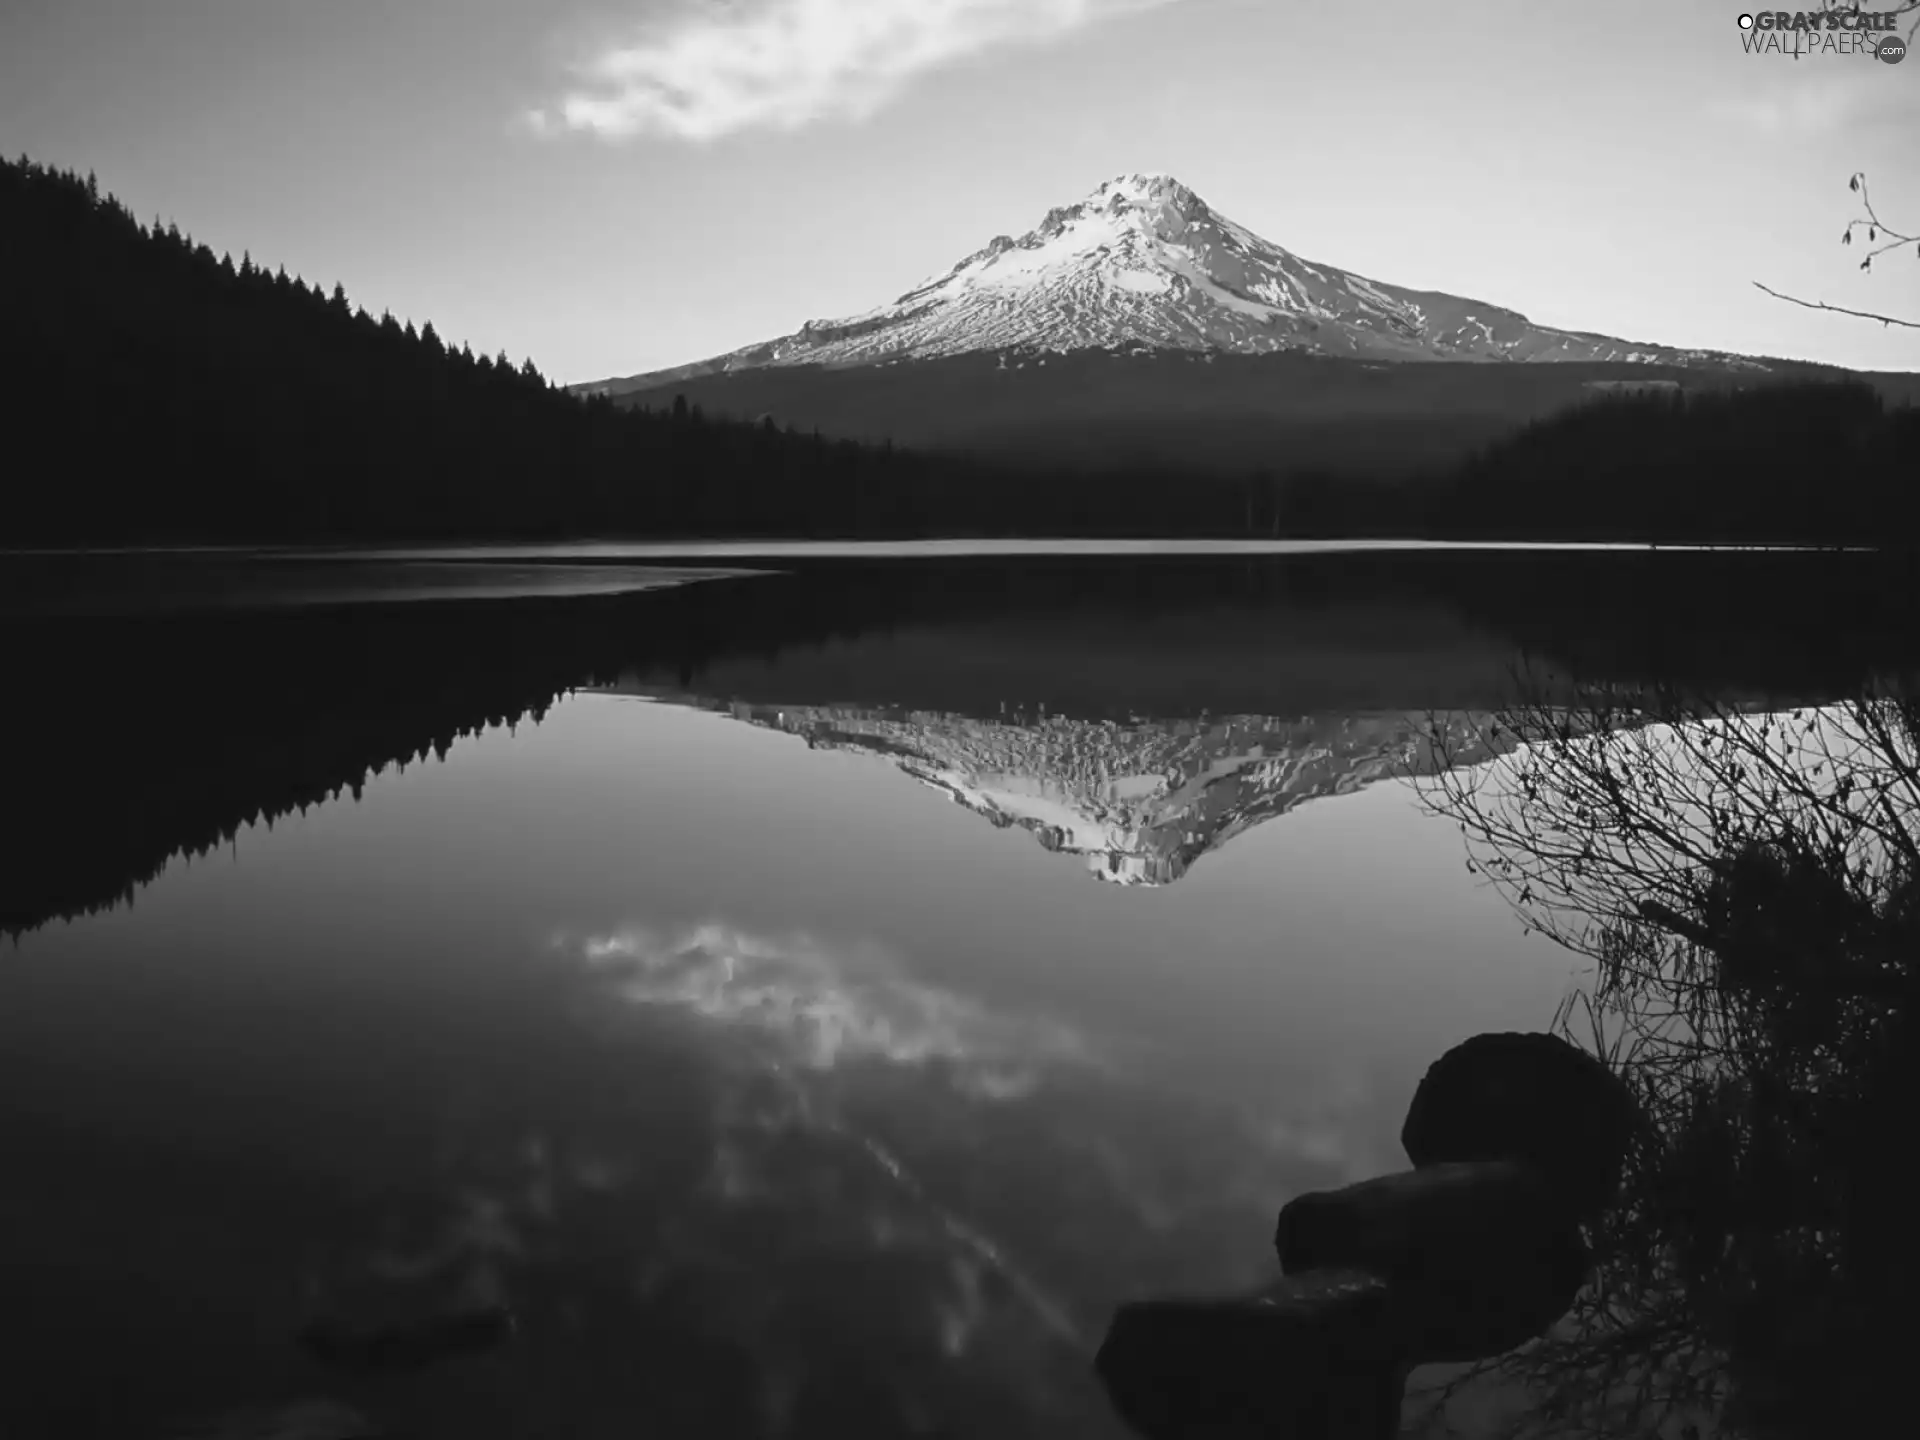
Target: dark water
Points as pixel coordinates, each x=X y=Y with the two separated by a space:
x=157 y=582
x=810 y=1001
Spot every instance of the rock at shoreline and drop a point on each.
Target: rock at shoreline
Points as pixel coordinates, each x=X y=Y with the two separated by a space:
x=1516 y=1139
x=1531 y=1097
x=1477 y=1258
x=1310 y=1358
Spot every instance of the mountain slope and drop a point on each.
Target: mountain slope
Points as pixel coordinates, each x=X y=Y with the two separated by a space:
x=1190 y=410
x=1145 y=264
x=1139 y=801
x=1140 y=327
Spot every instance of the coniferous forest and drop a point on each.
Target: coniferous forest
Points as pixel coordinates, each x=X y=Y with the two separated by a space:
x=155 y=392
x=1814 y=463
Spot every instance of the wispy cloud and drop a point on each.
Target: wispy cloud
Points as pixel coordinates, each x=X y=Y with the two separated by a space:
x=781 y=64
x=830 y=1005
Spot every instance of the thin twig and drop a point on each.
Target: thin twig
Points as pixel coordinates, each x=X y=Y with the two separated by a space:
x=1839 y=309
x=1873 y=224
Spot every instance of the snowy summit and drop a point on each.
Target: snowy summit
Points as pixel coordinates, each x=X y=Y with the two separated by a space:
x=1138 y=802
x=1143 y=263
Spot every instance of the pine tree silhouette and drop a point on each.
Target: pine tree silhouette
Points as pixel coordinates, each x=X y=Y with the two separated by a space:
x=195 y=400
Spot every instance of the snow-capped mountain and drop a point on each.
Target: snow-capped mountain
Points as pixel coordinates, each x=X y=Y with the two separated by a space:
x=1144 y=264
x=1139 y=801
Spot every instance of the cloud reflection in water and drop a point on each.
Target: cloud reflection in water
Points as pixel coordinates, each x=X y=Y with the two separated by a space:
x=818 y=1009
x=896 y=1207
x=828 y=1008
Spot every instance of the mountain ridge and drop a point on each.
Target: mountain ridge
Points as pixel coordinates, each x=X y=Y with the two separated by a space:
x=1144 y=264
x=1139 y=801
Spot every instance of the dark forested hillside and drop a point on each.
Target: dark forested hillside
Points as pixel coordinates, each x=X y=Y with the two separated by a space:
x=152 y=391
x=1823 y=462
x=1218 y=414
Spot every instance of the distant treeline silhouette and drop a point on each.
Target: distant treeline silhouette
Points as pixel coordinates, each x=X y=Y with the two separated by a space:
x=157 y=392
x=1824 y=462
x=140 y=738
x=146 y=737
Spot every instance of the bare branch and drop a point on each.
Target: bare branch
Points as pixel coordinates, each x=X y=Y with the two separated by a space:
x=1875 y=227
x=1748 y=874
x=1881 y=236
x=1839 y=309
x=1900 y=7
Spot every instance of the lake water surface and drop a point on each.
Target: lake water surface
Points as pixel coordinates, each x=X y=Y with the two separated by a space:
x=810 y=1001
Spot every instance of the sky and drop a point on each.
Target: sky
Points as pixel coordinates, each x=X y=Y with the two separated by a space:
x=621 y=185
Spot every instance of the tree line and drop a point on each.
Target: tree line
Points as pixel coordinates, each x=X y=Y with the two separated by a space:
x=155 y=392
x=1813 y=462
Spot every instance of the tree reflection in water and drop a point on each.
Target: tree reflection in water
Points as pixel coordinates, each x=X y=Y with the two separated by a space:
x=1747 y=877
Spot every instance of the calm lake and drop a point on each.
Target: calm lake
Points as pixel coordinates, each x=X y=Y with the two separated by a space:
x=811 y=1000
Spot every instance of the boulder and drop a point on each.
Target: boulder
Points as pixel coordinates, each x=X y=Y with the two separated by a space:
x=1307 y=1359
x=1530 y=1097
x=1477 y=1258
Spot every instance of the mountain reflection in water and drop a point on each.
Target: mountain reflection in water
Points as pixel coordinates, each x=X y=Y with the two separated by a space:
x=774 y=1098
x=246 y=715
x=1139 y=800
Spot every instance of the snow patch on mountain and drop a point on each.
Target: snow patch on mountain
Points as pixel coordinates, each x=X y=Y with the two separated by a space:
x=1139 y=801
x=1144 y=263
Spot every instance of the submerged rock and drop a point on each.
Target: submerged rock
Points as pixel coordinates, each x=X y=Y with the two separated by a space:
x=1531 y=1097
x=1517 y=1139
x=410 y=1346
x=1384 y=1226
x=1311 y=1357
x=305 y=1420
x=1477 y=1258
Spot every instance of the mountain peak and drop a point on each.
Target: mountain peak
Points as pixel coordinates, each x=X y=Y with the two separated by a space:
x=1145 y=187
x=1138 y=802
x=1143 y=264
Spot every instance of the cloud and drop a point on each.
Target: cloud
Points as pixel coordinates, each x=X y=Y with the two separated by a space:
x=783 y=64
x=826 y=1006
